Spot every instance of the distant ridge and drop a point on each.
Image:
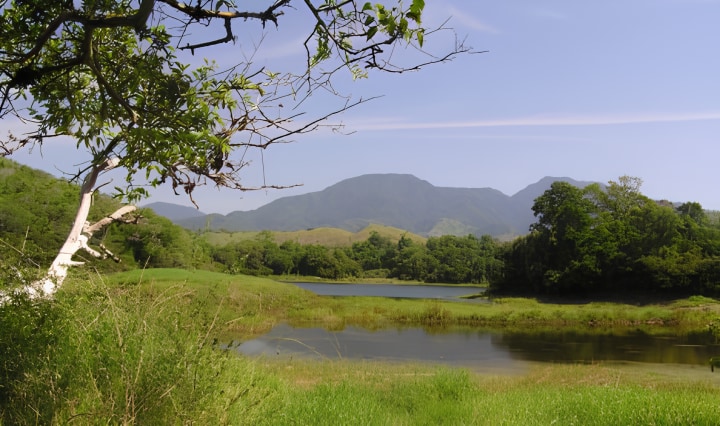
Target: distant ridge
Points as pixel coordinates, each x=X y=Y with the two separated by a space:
x=397 y=200
x=174 y=212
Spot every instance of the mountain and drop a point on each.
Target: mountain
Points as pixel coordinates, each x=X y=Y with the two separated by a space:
x=398 y=200
x=175 y=212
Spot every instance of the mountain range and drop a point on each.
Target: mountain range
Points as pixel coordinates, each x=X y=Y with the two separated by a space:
x=398 y=200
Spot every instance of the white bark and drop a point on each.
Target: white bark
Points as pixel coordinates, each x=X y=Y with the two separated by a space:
x=78 y=237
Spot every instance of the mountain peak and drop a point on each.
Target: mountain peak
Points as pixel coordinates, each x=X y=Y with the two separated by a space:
x=398 y=200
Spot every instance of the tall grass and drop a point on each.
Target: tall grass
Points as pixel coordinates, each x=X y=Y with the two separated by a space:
x=121 y=356
x=138 y=348
x=251 y=305
x=354 y=393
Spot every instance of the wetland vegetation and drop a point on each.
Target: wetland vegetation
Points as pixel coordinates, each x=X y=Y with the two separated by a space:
x=156 y=355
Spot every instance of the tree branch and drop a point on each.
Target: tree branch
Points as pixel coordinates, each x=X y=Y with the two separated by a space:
x=270 y=14
x=228 y=38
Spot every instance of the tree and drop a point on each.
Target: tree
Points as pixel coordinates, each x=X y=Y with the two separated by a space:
x=565 y=217
x=411 y=260
x=117 y=77
x=376 y=252
x=612 y=240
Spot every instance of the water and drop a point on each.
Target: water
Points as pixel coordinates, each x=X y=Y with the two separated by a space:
x=393 y=291
x=482 y=350
x=468 y=347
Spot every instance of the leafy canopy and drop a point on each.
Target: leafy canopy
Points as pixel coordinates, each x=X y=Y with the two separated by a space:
x=117 y=77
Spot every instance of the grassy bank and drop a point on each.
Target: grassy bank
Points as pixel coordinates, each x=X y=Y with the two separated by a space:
x=353 y=393
x=138 y=348
x=246 y=306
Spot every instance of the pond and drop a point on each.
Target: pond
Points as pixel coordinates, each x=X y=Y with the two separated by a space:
x=483 y=349
x=404 y=291
x=486 y=350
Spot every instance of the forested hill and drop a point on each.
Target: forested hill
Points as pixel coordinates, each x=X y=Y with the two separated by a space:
x=397 y=200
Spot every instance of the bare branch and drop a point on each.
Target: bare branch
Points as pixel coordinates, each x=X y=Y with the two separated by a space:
x=270 y=14
x=228 y=38
x=117 y=216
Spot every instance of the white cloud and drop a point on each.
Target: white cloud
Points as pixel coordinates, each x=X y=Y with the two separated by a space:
x=471 y=22
x=539 y=120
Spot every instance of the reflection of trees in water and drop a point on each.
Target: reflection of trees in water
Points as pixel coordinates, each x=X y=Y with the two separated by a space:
x=473 y=346
x=636 y=346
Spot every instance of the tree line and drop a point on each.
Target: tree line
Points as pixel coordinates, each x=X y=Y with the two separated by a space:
x=36 y=210
x=597 y=239
x=613 y=239
x=601 y=239
x=447 y=259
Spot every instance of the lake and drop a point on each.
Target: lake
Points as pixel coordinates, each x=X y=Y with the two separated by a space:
x=487 y=350
x=482 y=349
x=397 y=291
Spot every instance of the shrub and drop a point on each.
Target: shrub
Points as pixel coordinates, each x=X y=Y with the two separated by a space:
x=118 y=355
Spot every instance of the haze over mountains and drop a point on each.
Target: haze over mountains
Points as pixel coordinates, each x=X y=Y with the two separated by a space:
x=398 y=200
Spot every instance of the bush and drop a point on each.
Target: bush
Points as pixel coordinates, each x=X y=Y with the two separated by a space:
x=120 y=355
x=27 y=337
x=376 y=273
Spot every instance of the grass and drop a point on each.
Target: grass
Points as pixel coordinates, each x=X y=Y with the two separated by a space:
x=247 y=306
x=351 y=393
x=243 y=305
x=329 y=237
x=137 y=348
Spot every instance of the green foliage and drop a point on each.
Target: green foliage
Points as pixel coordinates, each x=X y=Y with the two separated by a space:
x=119 y=355
x=157 y=243
x=112 y=76
x=37 y=211
x=613 y=240
x=376 y=252
x=28 y=333
x=462 y=260
x=445 y=259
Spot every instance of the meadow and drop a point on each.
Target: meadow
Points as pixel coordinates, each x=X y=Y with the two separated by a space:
x=141 y=347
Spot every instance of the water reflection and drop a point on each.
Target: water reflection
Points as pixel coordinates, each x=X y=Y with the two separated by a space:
x=482 y=349
x=478 y=349
x=633 y=346
x=410 y=344
x=393 y=290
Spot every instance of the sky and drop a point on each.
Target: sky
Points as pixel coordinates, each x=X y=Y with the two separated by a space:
x=565 y=88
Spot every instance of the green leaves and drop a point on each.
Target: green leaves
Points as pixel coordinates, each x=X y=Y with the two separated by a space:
x=613 y=239
x=416 y=9
x=224 y=4
x=121 y=90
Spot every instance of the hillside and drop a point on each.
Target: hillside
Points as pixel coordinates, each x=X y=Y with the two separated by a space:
x=395 y=200
x=37 y=211
x=175 y=212
x=329 y=237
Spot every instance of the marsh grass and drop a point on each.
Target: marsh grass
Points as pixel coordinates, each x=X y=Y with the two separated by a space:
x=249 y=306
x=138 y=348
x=124 y=355
x=349 y=393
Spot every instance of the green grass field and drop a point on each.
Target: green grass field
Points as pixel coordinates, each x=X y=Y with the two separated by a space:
x=139 y=348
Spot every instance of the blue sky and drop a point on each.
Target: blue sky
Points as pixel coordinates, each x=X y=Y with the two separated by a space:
x=588 y=90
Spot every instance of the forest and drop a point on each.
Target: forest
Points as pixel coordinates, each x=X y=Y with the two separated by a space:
x=599 y=239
